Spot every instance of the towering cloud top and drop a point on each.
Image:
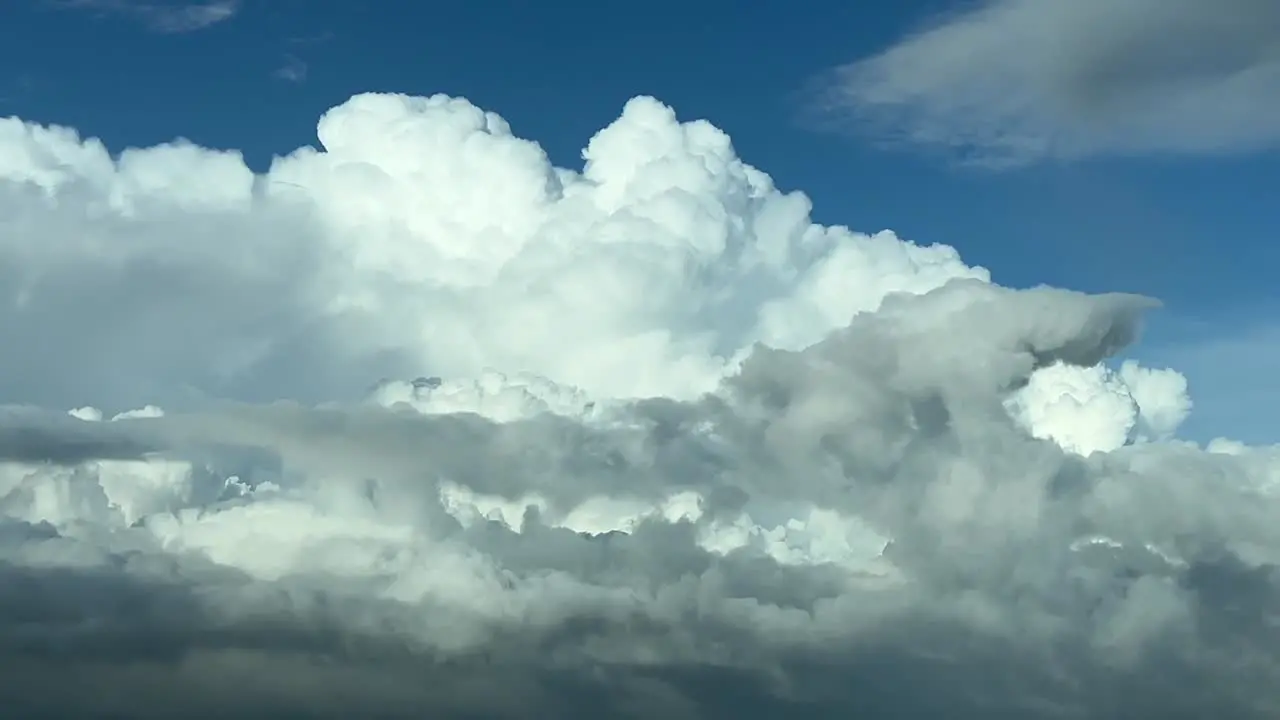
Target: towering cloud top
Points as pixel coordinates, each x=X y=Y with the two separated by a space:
x=423 y=239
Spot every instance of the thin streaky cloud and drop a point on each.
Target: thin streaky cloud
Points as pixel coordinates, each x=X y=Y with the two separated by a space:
x=294 y=69
x=1009 y=82
x=167 y=18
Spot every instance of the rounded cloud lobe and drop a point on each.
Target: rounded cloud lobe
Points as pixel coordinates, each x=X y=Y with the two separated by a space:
x=423 y=416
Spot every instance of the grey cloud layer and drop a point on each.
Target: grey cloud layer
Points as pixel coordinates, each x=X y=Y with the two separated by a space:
x=28 y=435
x=1012 y=81
x=895 y=417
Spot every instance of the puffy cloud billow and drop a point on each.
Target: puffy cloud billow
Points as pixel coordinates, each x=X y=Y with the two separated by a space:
x=417 y=424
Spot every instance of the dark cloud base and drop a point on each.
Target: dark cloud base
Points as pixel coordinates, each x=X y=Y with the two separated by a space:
x=79 y=644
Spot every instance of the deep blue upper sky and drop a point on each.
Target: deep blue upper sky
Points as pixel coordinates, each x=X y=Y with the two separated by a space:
x=1195 y=232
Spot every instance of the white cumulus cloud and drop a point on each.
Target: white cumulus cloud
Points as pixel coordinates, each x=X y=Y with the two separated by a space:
x=415 y=416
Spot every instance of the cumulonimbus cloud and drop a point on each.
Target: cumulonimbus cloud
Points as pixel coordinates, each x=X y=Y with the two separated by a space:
x=1013 y=81
x=430 y=425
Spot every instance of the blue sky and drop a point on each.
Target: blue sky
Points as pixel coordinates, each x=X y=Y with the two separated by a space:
x=1194 y=229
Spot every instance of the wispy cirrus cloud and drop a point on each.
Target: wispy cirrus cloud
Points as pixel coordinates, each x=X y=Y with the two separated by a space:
x=169 y=18
x=293 y=69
